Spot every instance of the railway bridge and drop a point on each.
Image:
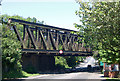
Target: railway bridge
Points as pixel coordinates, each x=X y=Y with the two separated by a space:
x=40 y=43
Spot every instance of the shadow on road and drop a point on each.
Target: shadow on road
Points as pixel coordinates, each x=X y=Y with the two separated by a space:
x=64 y=71
x=87 y=69
x=73 y=70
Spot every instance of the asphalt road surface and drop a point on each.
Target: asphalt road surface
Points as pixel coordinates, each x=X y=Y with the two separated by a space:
x=77 y=75
x=88 y=61
x=74 y=75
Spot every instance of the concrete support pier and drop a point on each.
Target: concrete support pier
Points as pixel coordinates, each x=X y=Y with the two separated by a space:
x=37 y=62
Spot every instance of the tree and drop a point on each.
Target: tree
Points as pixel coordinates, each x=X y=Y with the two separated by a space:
x=100 y=28
x=11 y=52
x=71 y=61
x=11 y=47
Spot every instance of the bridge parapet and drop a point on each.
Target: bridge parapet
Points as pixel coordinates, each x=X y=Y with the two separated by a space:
x=39 y=38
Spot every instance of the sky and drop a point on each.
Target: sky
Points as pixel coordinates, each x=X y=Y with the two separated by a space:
x=59 y=13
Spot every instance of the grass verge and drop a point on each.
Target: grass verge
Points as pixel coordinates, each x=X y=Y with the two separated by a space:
x=14 y=74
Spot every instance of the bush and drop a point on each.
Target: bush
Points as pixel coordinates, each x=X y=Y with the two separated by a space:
x=61 y=62
x=11 y=53
x=30 y=69
x=71 y=61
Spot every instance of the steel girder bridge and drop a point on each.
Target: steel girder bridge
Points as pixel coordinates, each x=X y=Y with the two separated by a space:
x=48 y=40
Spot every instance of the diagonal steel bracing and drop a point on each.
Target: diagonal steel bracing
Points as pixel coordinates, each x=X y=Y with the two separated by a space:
x=39 y=38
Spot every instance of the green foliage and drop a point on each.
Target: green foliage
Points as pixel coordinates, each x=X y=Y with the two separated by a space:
x=21 y=74
x=100 y=28
x=59 y=66
x=5 y=18
x=11 y=52
x=61 y=62
x=71 y=61
x=60 y=47
x=80 y=58
x=30 y=69
x=67 y=61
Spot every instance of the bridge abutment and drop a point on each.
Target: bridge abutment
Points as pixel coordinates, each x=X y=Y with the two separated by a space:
x=37 y=63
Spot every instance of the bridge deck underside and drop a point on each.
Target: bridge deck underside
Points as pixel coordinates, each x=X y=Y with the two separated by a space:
x=56 y=52
x=39 y=38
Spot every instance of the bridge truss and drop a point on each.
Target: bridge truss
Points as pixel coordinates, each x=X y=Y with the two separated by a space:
x=48 y=40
